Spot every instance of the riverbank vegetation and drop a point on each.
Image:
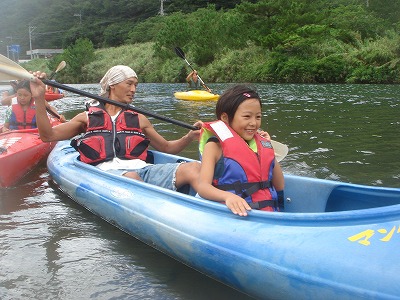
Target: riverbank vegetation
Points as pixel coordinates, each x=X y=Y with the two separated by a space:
x=302 y=41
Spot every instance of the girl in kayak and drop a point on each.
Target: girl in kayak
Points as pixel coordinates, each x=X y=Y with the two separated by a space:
x=22 y=114
x=238 y=164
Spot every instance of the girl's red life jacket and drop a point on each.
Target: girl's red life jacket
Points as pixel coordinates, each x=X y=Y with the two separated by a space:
x=245 y=172
x=21 y=119
x=105 y=139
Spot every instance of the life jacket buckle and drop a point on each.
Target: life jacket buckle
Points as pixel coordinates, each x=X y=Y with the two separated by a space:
x=265 y=185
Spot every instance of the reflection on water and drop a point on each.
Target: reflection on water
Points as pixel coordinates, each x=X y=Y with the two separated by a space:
x=51 y=248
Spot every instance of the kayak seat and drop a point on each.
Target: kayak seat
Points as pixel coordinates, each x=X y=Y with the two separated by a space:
x=343 y=198
x=299 y=201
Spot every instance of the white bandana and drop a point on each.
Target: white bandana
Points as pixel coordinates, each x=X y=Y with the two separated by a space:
x=113 y=76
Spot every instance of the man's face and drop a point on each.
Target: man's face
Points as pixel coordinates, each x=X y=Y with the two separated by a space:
x=124 y=91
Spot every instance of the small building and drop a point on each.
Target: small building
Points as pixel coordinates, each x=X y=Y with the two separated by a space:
x=44 y=53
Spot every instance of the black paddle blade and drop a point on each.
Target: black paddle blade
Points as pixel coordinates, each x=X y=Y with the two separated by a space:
x=180 y=52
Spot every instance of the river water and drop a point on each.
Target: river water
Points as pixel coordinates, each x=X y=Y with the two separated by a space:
x=51 y=248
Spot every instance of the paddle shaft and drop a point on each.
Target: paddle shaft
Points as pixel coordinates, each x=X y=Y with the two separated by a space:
x=60 y=66
x=116 y=103
x=282 y=147
x=53 y=113
x=53 y=74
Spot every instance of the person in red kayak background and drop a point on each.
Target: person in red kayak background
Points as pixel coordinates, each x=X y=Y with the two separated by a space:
x=22 y=114
x=238 y=165
x=116 y=140
x=53 y=90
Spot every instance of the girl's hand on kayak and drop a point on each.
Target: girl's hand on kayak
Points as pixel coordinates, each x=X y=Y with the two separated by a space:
x=237 y=205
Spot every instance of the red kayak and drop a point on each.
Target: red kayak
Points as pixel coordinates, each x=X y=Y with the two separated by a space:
x=20 y=152
x=52 y=96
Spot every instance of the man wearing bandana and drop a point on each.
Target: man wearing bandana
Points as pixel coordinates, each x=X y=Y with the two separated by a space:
x=115 y=139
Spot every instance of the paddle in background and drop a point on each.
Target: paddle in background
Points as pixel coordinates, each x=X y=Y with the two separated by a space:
x=60 y=66
x=10 y=70
x=181 y=54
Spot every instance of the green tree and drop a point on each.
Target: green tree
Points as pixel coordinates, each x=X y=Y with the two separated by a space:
x=145 y=31
x=386 y=9
x=76 y=57
x=175 y=32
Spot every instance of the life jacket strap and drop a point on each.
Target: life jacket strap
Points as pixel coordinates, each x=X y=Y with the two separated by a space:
x=263 y=203
x=24 y=124
x=271 y=203
x=245 y=189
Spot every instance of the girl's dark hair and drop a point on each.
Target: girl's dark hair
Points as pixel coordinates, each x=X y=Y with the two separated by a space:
x=231 y=99
x=14 y=84
x=24 y=84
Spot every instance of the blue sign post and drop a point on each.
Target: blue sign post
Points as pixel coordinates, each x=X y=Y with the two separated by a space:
x=14 y=50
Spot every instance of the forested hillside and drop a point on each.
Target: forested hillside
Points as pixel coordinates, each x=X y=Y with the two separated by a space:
x=266 y=40
x=58 y=23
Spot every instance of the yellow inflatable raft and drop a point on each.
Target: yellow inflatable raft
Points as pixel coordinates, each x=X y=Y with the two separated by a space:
x=196 y=95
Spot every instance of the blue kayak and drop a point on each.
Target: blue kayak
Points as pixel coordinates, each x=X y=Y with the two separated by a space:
x=334 y=241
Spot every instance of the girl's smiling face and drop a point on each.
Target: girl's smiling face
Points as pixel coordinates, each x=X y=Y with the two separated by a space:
x=247 y=119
